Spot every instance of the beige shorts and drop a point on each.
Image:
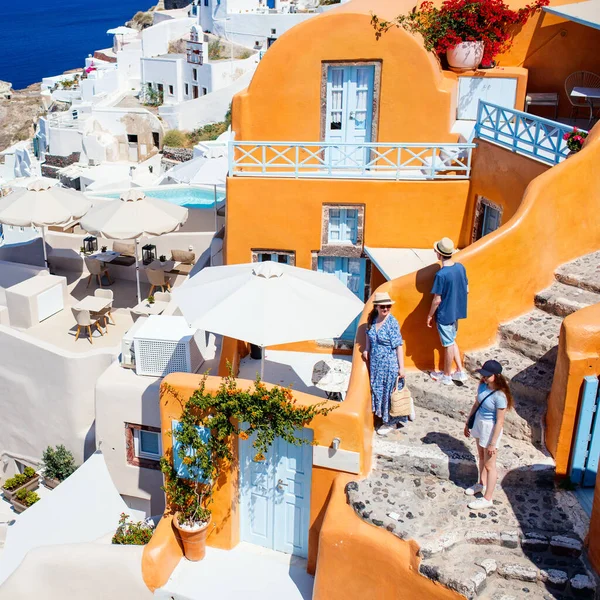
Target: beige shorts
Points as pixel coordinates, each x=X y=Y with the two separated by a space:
x=482 y=431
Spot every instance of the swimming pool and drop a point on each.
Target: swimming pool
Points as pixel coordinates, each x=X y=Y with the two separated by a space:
x=188 y=196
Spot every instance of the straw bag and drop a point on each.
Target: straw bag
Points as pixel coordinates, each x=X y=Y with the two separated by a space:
x=400 y=400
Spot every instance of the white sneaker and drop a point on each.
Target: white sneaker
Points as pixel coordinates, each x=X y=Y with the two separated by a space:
x=384 y=430
x=460 y=376
x=478 y=488
x=436 y=375
x=412 y=415
x=480 y=503
x=446 y=380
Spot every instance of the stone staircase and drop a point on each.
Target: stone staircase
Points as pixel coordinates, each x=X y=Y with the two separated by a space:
x=530 y=544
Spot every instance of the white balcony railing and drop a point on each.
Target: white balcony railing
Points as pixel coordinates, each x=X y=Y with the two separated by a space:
x=373 y=160
x=522 y=132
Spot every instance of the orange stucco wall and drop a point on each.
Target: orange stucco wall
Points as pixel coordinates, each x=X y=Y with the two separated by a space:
x=287 y=214
x=351 y=422
x=358 y=560
x=554 y=223
x=578 y=356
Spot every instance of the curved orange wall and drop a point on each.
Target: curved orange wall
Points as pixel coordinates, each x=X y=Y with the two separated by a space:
x=283 y=101
x=578 y=356
x=556 y=222
x=358 y=560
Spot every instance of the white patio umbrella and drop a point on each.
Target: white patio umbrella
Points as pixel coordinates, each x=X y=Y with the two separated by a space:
x=42 y=204
x=267 y=303
x=133 y=216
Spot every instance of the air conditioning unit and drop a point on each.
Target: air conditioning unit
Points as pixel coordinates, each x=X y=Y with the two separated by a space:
x=127 y=349
x=166 y=344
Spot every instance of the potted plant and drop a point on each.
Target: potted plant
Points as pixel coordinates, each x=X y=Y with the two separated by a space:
x=82 y=250
x=28 y=480
x=204 y=440
x=150 y=299
x=104 y=248
x=130 y=533
x=469 y=32
x=58 y=465
x=162 y=258
x=23 y=500
x=575 y=140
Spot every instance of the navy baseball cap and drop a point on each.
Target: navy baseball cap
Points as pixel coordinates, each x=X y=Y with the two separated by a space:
x=490 y=367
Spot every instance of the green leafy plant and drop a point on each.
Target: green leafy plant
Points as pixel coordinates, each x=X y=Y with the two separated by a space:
x=215 y=50
x=265 y=412
x=26 y=497
x=208 y=132
x=151 y=97
x=104 y=248
x=150 y=299
x=131 y=533
x=575 y=139
x=162 y=258
x=59 y=463
x=12 y=483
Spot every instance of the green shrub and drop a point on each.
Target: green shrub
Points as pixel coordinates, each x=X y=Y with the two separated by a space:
x=215 y=50
x=58 y=463
x=209 y=132
x=174 y=138
x=19 y=479
x=27 y=497
x=136 y=534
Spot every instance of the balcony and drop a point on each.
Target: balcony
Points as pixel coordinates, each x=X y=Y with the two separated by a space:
x=522 y=132
x=332 y=160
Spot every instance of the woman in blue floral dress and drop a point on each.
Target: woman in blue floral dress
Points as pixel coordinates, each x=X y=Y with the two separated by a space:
x=385 y=357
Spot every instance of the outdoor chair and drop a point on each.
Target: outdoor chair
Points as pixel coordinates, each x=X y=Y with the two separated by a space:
x=157 y=278
x=97 y=268
x=105 y=314
x=162 y=297
x=542 y=99
x=581 y=79
x=84 y=320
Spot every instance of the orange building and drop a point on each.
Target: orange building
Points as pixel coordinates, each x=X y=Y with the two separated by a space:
x=352 y=156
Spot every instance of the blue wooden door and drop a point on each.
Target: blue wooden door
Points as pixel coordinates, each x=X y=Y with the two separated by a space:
x=275 y=496
x=491 y=220
x=349 y=115
x=351 y=272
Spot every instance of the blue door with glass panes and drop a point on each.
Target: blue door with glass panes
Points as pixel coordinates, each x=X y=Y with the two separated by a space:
x=351 y=272
x=349 y=115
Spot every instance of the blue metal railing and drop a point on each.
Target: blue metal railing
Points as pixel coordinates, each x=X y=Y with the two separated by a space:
x=522 y=132
x=373 y=160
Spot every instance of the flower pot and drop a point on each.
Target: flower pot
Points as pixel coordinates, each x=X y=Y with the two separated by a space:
x=465 y=56
x=194 y=541
x=31 y=485
x=255 y=352
x=19 y=508
x=50 y=483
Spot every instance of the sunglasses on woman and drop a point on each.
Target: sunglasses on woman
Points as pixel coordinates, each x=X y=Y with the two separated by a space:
x=385 y=307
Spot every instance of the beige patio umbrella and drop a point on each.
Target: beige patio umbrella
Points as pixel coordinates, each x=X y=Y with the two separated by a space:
x=133 y=216
x=42 y=204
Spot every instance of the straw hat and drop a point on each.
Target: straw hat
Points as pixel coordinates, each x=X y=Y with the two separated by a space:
x=445 y=247
x=382 y=298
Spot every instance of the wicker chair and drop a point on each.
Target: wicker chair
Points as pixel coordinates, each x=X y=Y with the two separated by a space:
x=581 y=79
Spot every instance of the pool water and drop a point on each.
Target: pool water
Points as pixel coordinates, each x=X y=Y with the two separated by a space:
x=190 y=197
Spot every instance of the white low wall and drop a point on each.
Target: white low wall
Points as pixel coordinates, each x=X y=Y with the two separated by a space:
x=204 y=110
x=46 y=397
x=30 y=253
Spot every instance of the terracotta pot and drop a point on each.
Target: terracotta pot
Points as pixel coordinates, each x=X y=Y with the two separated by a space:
x=194 y=542
x=465 y=56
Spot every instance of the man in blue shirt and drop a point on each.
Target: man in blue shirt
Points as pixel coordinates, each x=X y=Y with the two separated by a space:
x=449 y=304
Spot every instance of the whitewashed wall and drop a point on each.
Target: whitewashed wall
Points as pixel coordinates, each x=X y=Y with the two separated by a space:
x=168 y=71
x=155 y=39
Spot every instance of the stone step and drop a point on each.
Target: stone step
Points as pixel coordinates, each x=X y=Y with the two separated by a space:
x=529 y=380
x=583 y=272
x=534 y=335
x=455 y=401
x=562 y=300
x=434 y=444
x=476 y=572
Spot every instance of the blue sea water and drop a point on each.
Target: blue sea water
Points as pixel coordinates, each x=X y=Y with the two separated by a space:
x=41 y=38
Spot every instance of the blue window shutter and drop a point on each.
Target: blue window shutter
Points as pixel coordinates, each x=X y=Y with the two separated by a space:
x=335 y=224
x=350 y=229
x=180 y=468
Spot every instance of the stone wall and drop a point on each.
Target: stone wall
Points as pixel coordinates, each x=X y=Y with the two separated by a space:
x=177 y=154
x=54 y=163
x=171 y=4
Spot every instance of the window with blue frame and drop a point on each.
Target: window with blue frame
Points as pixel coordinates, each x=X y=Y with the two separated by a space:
x=343 y=226
x=180 y=468
x=278 y=256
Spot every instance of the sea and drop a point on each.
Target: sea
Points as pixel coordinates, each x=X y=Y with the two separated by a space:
x=41 y=38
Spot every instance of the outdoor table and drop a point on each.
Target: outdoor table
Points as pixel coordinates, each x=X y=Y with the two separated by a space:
x=145 y=307
x=166 y=266
x=332 y=376
x=590 y=94
x=105 y=257
x=94 y=304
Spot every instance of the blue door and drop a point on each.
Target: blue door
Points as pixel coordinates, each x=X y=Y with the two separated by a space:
x=275 y=495
x=491 y=219
x=351 y=272
x=349 y=114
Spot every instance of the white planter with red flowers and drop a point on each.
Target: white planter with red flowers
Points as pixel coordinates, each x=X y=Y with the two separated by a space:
x=465 y=56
